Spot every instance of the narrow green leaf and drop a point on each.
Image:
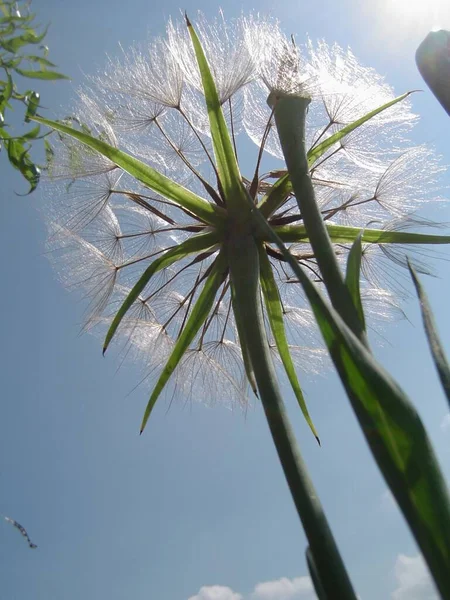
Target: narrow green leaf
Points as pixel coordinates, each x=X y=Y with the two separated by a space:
x=197 y=317
x=227 y=166
x=274 y=308
x=352 y=277
x=32 y=106
x=20 y=159
x=391 y=425
x=32 y=134
x=437 y=350
x=6 y=92
x=9 y=30
x=144 y=173
x=44 y=62
x=193 y=244
x=30 y=37
x=315 y=153
x=342 y=234
x=12 y=63
x=46 y=75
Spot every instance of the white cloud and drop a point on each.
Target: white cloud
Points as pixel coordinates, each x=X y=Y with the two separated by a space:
x=216 y=592
x=299 y=588
x=413 y=579
x=284 y=589
x=445 y=423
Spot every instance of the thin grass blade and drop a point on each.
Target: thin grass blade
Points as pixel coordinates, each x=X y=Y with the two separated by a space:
x=391 y=425
x=437 y=350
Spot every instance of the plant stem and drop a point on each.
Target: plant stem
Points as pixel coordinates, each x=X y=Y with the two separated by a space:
x=290 y=116
x=244 y=270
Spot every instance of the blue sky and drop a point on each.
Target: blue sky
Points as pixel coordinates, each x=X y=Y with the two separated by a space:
x=199 y=500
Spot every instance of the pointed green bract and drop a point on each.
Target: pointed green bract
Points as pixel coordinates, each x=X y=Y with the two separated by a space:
x=352 y=277
x=227 y=166
x=151 y=178
x=315 y=153
x=391 y=425
x=197 y=317
x=342 y=234
x=283 y=186
x=434 y=342
x=277 y=195
x=249 y=371
x=275 y=314
x=193 y=244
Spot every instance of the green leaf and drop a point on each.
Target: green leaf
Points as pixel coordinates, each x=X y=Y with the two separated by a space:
x=7 y=30
x=6 y=92
x=352 y=277
x=315 y=153
x=342 y=234
x=32 y=134
x=203 y=210
x=434 y=341
x=391 y=425
x=12 y=64
x=227 y=166
x=32 y=106
x=30 y=37
x=274 y=308
x=44 y=62
x=20 y=160
x=193 y=244
x=197 y=317
x=46 y=75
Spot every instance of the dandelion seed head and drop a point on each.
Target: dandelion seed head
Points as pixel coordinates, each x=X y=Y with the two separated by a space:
x=106 y=228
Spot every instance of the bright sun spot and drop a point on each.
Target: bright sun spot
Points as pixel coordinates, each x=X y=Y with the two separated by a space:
x=411 y=18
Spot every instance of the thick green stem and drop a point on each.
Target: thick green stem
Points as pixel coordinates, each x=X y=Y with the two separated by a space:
x=244 y=270
x=290 y=115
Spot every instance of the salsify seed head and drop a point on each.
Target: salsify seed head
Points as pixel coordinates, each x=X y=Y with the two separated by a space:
x=106 y=228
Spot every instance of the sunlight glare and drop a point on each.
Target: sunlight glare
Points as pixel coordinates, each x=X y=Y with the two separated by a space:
x=412 y=18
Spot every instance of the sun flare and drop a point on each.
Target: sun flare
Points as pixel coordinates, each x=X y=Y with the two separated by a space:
x=412 y=18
